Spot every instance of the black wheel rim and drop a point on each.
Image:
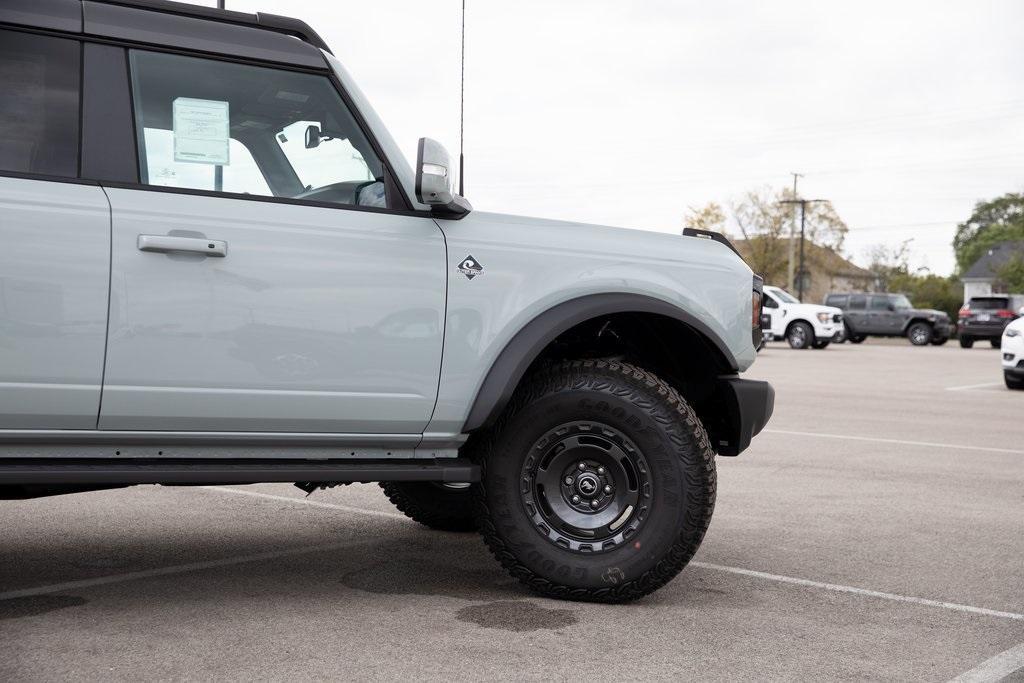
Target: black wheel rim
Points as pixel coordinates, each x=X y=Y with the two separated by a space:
x=586 y=487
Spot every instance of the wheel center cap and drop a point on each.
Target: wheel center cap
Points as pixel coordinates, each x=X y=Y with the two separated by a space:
x=588 y=485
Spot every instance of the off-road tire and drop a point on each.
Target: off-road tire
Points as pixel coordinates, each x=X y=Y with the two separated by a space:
x=438 y=506
x=1013 y=382
x=920 y=334
x=800 y=335
x=604 y=396
x=966 y=342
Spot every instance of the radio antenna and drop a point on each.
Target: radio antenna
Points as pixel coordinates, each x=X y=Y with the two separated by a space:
x=462 y=106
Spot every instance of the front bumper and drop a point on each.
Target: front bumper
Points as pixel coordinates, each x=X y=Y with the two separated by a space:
x=1013 y=355
x=748 y=406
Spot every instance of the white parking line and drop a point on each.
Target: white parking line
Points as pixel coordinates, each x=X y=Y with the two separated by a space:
x=860 y=591
x=965 y=387
x=167 y=571
x=312 y=503
x=995 y=669
x=901 y=442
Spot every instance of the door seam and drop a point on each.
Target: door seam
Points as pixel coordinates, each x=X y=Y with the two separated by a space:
x=110 y=291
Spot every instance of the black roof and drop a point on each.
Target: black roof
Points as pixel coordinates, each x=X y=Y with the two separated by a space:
x=995 y=258
x=175 y=24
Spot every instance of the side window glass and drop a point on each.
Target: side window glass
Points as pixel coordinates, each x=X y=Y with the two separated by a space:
x=879 y=303
x=241 y=175
x=858 y=302
x=39 y=106
x=235 y=128
x=837 y=301
x=769 y=302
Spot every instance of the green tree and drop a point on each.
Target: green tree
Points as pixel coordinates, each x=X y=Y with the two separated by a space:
x=993 y=221
x=1010 y=276
x=930 y=291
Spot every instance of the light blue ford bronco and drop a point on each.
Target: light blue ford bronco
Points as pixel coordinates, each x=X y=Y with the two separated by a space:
x=218 y=268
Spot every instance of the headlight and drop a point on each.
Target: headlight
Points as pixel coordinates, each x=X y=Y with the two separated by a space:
x=824 y=317
x=1011 y=333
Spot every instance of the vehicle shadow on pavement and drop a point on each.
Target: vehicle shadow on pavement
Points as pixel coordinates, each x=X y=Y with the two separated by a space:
x=404 y=561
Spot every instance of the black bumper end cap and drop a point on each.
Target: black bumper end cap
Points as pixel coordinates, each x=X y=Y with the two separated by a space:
x=750 y=404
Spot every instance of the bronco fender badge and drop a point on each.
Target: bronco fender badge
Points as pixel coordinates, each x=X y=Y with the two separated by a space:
x=470 y=267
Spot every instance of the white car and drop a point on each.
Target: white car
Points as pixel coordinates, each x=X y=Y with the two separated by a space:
x=802 y=325
x=1013 y=353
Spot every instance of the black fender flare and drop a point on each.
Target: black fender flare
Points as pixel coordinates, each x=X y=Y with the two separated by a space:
x=912 y=321
x=514 y=360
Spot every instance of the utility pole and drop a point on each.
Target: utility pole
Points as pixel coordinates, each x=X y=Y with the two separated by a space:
x=792 y=237
x=801 y=274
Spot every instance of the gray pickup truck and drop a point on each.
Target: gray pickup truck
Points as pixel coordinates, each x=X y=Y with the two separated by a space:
x=217 y=268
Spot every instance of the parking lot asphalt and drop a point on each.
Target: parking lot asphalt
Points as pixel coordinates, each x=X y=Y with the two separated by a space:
x=874 y=531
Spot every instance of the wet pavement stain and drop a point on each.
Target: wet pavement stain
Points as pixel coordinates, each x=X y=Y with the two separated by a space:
x=19 y=608
x=518 y=616
x=433 y=578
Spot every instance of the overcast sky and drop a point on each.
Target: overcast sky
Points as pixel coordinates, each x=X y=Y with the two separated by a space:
x=626 y=113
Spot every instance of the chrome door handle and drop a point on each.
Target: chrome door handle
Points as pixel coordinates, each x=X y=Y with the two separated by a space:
x=197 y=245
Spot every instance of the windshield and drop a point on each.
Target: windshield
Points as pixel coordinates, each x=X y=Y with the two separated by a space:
x=899 y=301
x=785 y=296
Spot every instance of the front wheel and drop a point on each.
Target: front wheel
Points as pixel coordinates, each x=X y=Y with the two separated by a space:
x=820 y=344
x=920 y=334
x=940 y=341
x=800 y=335
x=966 y=342
x=1013 y=382
x=598 y=483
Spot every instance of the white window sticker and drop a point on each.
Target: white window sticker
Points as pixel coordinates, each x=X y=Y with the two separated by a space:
x=201 y=131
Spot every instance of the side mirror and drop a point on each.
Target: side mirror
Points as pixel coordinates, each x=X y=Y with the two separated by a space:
x=434 y=180
x=312 y=136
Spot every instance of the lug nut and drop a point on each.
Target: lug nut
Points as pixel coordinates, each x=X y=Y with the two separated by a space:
x=607 y=488
x=582 y=466
x=575 y=499
x=568 y=480
x=594 y=504
x=600 y=470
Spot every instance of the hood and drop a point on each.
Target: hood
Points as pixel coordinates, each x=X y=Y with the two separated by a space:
x=815 y=308
x=929 y=312
x=639 y=243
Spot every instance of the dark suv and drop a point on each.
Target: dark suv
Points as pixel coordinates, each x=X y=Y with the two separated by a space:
x=985 y=317
x=890 y=315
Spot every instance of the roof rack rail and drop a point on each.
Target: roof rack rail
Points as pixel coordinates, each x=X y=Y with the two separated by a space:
x=272 y=22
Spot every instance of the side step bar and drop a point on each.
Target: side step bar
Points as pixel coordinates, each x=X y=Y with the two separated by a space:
x=82 y=471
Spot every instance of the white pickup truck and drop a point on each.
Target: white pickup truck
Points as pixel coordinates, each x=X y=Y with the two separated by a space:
x=802 y=325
